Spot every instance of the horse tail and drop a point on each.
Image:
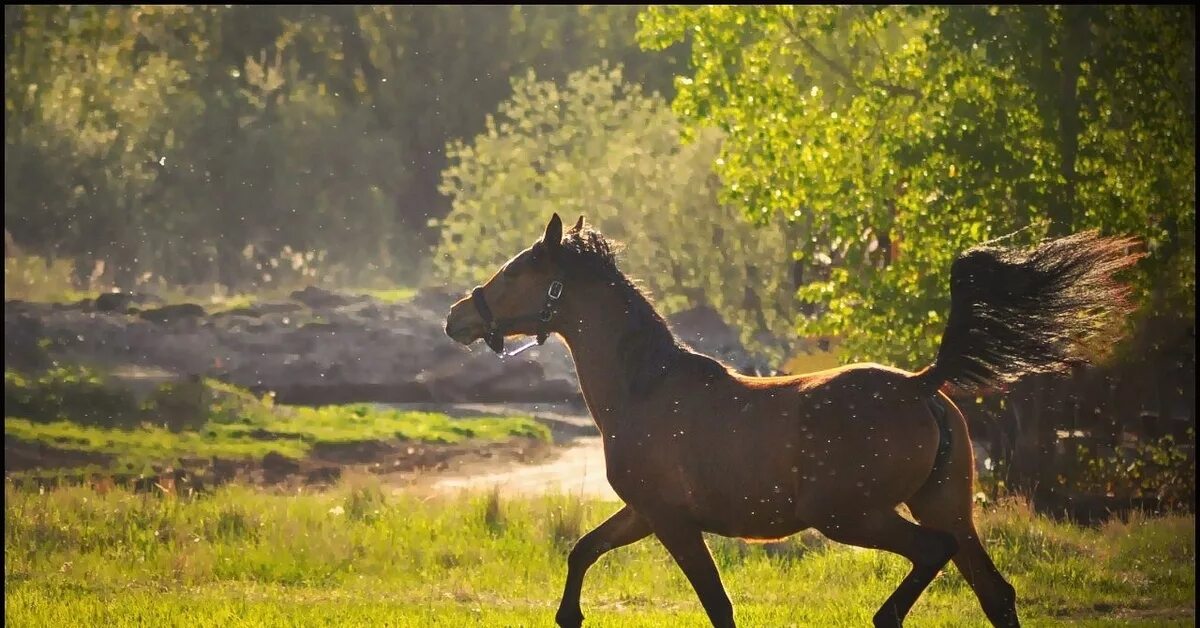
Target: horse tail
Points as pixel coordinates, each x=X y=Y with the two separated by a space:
x=1013 y=313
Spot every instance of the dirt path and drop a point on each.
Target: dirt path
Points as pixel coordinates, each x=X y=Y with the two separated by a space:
x=576 y=467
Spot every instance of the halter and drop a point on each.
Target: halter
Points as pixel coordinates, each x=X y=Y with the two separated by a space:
x=494 y=337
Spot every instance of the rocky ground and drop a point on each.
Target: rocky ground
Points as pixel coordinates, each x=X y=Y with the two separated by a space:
x=316 y=347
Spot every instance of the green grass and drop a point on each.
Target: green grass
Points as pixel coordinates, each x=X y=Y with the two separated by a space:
x=148 y=445
x=37 y=279
x=349 y=423
x=291 y=433
x=364 y=555
x=208 y=418
x=387 y=295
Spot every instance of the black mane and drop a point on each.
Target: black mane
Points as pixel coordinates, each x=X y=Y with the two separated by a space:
x=647 y=348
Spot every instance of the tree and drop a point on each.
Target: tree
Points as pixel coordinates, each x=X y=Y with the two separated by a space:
x=600 y=147
x=900 y=136
x=197 y=143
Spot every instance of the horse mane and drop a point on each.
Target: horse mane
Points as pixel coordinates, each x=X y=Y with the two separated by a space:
x=647 y=348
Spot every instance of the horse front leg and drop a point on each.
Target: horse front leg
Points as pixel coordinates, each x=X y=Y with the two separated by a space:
x=685 y=543
x=619 y=530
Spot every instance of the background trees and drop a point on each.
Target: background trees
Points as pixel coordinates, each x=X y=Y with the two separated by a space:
x=246 y=146
x=900 y=136
x=600 y=147
x=196 y=143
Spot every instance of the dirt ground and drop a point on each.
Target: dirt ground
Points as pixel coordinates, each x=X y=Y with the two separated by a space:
x=572 y=464
x=575 y=465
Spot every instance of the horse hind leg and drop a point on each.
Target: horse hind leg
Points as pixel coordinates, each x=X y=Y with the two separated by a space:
x=944 y=502
x=929 y=550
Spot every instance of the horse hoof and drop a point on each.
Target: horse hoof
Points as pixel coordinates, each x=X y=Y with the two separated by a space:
x=568 y=620
x=887 y=620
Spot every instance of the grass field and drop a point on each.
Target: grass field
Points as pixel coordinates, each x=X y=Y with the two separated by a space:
x=362 y=555
x=207 y=418
x=33 y=278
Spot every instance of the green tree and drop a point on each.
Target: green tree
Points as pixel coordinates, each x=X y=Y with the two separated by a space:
x=600 y=147
x=900 y=136
x=198 y=143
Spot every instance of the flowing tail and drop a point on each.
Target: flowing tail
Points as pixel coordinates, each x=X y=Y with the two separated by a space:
x=1013 y=313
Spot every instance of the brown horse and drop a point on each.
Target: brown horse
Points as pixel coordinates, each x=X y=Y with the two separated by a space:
x=691 y=446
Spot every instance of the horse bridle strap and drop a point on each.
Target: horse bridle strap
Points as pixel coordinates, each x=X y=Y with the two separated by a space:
x=494 y=336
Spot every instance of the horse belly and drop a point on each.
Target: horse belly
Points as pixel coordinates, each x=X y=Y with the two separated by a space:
x=763 y=506
x=754 y=527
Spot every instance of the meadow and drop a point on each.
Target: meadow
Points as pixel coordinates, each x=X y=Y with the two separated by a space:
x=71 y=411
x=362 y=554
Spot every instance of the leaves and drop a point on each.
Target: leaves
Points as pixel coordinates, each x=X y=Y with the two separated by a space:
x=901 y=136
x=599 y=146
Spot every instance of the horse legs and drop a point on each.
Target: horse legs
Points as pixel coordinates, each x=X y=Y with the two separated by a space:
x=928 y=549
x=686 y=545
x=933 y=506
x=944 y=502
x=621 y=529
x=996 y=595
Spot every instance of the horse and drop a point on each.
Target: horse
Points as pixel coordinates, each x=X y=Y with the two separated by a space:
x=692 y=446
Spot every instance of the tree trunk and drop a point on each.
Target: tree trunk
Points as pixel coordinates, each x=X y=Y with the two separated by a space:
x=1076 y=40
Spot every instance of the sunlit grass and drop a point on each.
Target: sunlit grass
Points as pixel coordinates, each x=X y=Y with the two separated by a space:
x=362 y=554
x=33 y=278
x=291 y=433
x=387 y=295
x=222 y=421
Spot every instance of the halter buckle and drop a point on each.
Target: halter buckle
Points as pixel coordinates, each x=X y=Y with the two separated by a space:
x=555 y=289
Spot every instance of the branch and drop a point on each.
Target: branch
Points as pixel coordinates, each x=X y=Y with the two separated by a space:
x=890 y=88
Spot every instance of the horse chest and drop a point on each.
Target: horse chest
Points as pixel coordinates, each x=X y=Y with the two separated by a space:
x=638 y=469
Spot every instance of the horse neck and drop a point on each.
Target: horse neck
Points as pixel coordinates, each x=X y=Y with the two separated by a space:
x=606 y=340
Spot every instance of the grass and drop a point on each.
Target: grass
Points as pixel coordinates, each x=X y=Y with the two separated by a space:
x=207 y=418
x=32 y=278
x=389 y=295
x=363 y=555
x=40 y=280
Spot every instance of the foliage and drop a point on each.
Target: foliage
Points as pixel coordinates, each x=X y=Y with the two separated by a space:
x=600 y=147
x=364 y=555
x=157 y=141
x=32 y=278
x=63 y=392
x=1159 y=468
x=896 y=137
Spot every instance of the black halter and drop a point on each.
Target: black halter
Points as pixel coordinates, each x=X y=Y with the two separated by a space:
x=494 y=337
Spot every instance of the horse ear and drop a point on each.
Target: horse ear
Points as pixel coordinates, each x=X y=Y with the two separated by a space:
x=553 y=235
x=578 y=225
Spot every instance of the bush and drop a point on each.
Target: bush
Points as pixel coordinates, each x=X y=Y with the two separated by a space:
x=601 y=148
x=74 y=392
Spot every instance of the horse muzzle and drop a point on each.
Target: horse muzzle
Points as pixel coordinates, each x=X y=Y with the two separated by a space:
x=468 y=331
x=494 y=340
x=465 y=336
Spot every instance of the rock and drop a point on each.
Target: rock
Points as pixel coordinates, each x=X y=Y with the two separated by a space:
x=114 y=302
x=359 y=350
x=261 y=309
x=316 y=298
x=173 y=313
x=122 y=301
x=276 y=467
